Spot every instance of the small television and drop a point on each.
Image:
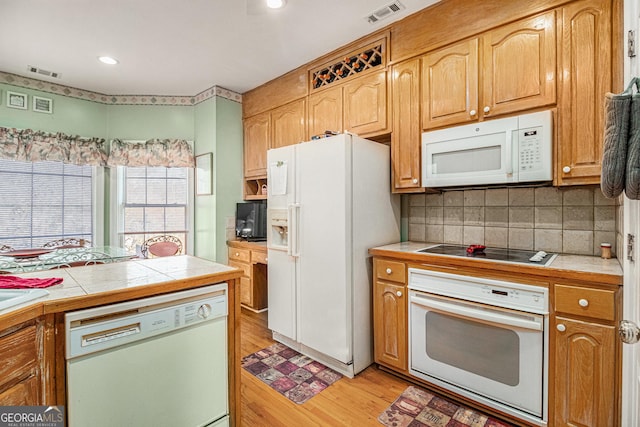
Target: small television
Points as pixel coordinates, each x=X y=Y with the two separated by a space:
x=251 y=221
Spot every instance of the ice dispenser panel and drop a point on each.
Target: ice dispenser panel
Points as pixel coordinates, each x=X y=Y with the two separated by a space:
x=279 y=228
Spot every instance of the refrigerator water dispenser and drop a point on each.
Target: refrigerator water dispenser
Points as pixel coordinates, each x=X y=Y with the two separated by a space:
x=279 y=226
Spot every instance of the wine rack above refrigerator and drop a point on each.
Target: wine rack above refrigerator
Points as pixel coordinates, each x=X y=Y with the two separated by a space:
x=367 y=58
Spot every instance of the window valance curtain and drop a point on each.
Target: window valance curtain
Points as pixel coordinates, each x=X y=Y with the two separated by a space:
x=154 y=152
x=34 y=146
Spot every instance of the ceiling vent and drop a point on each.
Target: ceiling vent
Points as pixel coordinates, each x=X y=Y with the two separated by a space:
x=385 y=12
x=42 y=72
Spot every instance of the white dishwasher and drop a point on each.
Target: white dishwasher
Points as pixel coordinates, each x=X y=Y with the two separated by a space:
x=158 y=361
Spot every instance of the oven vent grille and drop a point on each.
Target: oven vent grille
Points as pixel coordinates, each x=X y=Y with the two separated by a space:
x=385 y=12
x=42 y=72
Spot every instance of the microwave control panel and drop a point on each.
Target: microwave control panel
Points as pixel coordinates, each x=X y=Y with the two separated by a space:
x=530 y=148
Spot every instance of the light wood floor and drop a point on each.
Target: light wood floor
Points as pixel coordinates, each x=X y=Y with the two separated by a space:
x=347 y=402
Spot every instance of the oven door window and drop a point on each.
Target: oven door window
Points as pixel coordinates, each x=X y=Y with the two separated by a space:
x=495 y=350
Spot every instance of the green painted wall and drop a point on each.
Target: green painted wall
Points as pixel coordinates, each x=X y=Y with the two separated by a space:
x=218 y=130
x=205 y=205
x=214 y=125
x=70 y=115
x=228 y=164
x=144 y=122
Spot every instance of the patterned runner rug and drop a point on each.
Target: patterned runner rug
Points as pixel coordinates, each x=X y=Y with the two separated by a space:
x=417 y=408
x=295 y=376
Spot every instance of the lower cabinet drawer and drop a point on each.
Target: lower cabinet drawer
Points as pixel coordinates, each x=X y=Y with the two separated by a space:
x=590 y=302
x=238 y=254
x=259 y=257
x=390 y=270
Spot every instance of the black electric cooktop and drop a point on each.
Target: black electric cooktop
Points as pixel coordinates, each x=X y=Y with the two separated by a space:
x=495 y=254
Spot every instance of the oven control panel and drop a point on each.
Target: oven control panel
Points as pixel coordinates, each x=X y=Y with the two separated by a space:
x=499 y=293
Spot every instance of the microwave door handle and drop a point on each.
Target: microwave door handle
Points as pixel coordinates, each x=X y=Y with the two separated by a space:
x=508 y=153
x=469 y=312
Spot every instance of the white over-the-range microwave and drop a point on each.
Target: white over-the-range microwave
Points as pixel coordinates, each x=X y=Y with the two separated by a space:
x=511 y=150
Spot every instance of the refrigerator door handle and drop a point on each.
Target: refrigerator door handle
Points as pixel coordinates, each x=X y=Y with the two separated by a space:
x=293 y=212
x=290 y=231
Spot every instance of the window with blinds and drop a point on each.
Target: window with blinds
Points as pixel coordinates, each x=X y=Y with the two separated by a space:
x=44 y=201
x=155 y=202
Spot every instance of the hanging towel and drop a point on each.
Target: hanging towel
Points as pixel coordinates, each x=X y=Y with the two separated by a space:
x=632 y=185
x=616 y=138
x=14 y=282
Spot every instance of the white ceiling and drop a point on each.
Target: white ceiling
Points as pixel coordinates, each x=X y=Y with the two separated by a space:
x=177 y=47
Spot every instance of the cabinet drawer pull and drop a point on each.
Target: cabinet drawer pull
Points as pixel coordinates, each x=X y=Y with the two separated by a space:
x=389 y=271
x=566 y=169
x=472 y=113
x=583 y=302
x=561 y=327
x=399 y=293
x=237 y=253
x=487 y=109
x=415 y=180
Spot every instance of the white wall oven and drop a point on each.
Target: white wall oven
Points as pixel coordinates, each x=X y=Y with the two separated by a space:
x=483 y=339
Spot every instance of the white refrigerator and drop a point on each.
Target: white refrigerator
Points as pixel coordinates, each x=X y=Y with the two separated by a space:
x=329 y=201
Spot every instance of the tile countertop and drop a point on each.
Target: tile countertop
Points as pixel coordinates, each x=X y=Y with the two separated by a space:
x=578 y=267
x=110 y=283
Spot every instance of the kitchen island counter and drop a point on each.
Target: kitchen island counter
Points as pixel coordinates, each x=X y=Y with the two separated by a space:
x=43 y=379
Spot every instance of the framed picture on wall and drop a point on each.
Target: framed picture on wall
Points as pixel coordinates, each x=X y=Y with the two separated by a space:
x=42 y=105
x=17 y=100
x=204 y=174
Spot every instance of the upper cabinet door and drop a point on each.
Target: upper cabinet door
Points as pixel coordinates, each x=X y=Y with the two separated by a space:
x=586 y=73
x=519 y=66
x=288 y=124
x=256 y=143
x=325 y=111
x=365 y=104
x=450 y=85
x=405 y=138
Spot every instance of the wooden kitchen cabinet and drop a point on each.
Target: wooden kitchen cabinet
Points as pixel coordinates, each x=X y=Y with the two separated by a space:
x=257 y=134
x=22 y=367
x=519 y=66
x=365 y=104
x=358 y=106
x=585 y=374
x=288 y=124
x=450 y=85
x=279 y=127
x=586 y=75
x=251 y=258
x=325 y=111
x=390 y=314
x=406 y=135
x=586 y=361
x=517 y=73
x=257 y=131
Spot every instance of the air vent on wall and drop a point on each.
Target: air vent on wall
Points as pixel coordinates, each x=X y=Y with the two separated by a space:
x=385 y=12
x=42 y=72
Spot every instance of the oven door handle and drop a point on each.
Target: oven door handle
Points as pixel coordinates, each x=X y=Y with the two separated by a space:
x=469 y=311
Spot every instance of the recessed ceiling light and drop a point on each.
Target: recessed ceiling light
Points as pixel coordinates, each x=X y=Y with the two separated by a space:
x=107 y=60
x=276 y=4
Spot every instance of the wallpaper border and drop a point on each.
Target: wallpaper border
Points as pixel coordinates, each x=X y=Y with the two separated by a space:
x=49 y=87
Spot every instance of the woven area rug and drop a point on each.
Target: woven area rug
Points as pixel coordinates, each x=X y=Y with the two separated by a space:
x=295 y=376
x=417 y=408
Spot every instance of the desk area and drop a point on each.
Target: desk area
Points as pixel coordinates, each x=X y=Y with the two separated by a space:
x=251 y=258
x=24 y=261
